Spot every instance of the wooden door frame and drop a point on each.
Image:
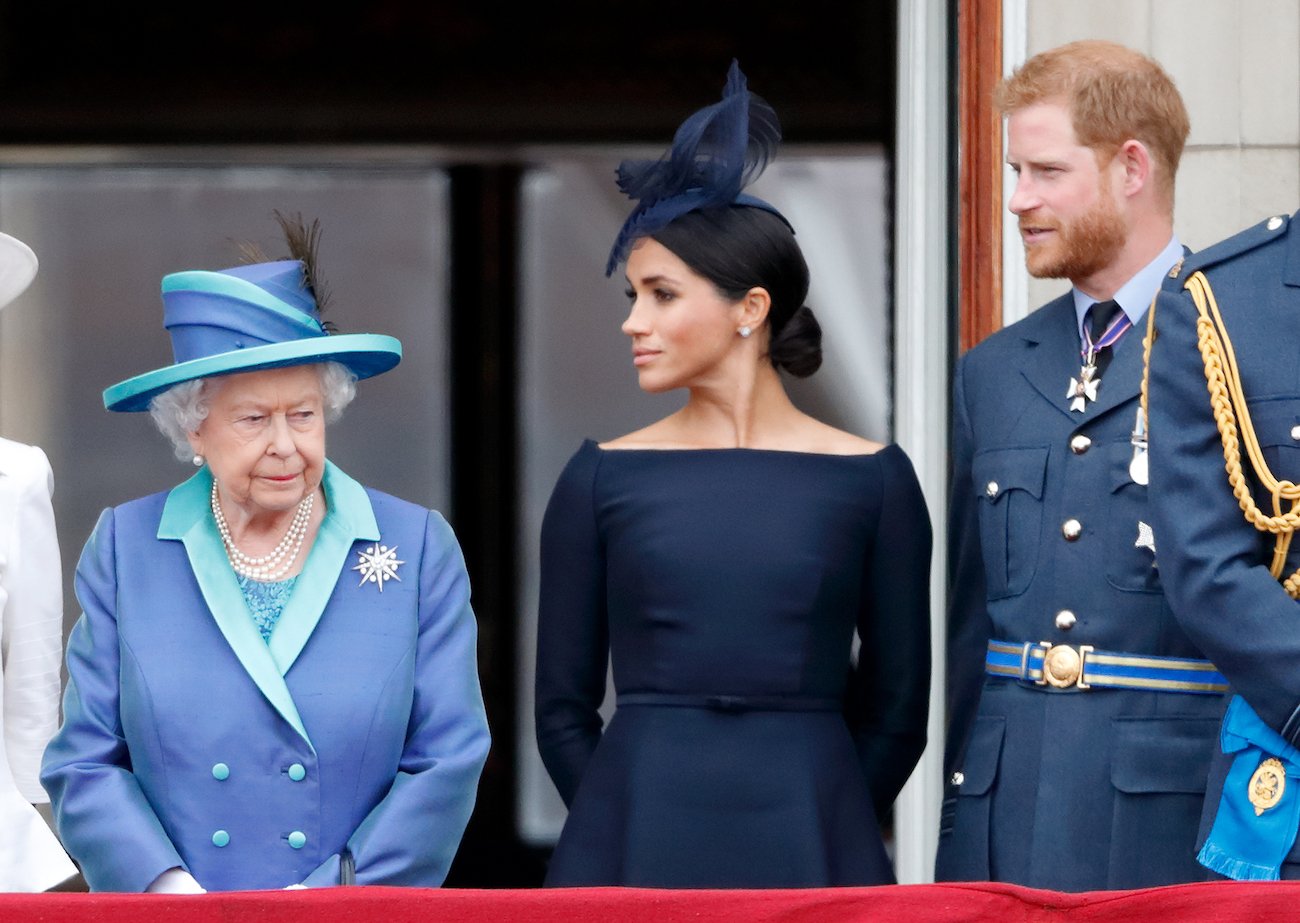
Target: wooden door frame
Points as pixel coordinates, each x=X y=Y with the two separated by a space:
x=979 y=204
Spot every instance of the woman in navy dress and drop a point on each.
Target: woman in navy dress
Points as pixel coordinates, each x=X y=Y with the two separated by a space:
x=723 y=559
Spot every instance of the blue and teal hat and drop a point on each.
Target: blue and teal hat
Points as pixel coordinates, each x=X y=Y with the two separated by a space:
x=259 y=316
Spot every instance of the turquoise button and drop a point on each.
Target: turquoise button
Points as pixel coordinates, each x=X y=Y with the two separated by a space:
x=220 y=838
x=297 y=772
x=221 y=772
x=297 y=839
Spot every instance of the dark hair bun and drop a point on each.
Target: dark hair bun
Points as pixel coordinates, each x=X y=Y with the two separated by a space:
x=797 y=346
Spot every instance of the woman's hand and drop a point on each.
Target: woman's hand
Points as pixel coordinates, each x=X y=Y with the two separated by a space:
x=175 y=881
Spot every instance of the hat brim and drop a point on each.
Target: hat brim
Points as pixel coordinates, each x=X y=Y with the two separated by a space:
x=364 y=354
x=18 y=266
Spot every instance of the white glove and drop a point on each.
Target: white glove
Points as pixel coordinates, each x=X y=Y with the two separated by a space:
x=175 y=881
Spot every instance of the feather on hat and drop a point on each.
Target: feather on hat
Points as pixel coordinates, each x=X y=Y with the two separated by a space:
x=263 y=315
x=715 y=154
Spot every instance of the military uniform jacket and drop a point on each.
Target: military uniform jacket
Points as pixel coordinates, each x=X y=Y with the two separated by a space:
x=1214 y=563
x=189 y=741
x=1060 y=788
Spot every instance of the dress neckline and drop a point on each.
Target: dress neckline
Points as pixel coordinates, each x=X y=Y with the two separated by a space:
x=794 y=453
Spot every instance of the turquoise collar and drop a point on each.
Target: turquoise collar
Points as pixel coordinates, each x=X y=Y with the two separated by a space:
x=349 y=517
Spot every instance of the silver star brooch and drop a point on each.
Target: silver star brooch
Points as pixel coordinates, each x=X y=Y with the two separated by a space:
x=377 y=564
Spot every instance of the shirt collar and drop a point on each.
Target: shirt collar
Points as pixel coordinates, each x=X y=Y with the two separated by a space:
x=1134 y=296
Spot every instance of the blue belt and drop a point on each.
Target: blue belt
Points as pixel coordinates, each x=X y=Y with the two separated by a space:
x=729 y=703
x=1060 y=666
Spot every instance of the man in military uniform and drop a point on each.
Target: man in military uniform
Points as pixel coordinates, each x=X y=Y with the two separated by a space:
x=1224 y=410
x=1081 y=718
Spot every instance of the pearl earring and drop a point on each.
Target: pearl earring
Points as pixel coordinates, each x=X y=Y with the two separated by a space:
x=745 y=331
x=198 y=461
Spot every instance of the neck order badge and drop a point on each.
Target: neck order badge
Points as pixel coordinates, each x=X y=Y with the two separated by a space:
x=1107 y=315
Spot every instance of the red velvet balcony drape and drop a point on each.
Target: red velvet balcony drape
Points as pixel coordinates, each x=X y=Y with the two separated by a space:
x=1209 y=902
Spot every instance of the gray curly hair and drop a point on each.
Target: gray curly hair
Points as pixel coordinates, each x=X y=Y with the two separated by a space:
x=182 y=408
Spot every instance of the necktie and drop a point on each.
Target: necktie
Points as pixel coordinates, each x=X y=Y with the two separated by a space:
x=1098 y=317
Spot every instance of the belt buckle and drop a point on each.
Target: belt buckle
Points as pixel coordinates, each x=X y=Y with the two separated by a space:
x=1063 y=665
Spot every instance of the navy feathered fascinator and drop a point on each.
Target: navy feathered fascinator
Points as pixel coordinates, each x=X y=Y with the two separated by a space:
x=715 y=154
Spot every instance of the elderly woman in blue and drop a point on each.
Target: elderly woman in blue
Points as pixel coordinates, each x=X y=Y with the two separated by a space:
x=273 y=682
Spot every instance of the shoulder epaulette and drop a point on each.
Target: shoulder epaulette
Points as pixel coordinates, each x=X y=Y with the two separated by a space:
x=1269 y=229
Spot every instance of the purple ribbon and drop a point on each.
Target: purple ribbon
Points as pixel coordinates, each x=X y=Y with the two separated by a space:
x=1114 y=330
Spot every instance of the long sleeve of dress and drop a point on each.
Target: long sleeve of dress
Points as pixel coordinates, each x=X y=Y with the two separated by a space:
x=32 y=639
x=572 y=631
x=31 y=648
x=892 y=680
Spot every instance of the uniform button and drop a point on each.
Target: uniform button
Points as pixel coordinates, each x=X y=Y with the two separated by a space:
x=1080 y=444
x=297 y=839
x=958 y=777
x=220 y=838
x=1295 y=433
x=1275 y=222
x=297 y=772
x=1071 y=529
x=991 y=489
x=1065 y=620
x=220 y=772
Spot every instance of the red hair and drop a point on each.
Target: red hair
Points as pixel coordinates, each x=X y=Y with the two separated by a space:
x=1113 y=94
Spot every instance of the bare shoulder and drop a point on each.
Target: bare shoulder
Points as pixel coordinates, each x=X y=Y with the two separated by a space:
x=800 y=434
x=827 y=440
x=658 y=435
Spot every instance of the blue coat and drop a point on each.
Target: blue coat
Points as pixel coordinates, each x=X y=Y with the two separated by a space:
x=189 y=741
x=1059 y=788
x=1215 y=564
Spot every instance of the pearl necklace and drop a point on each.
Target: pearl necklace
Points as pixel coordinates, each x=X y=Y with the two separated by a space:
x=280 y=561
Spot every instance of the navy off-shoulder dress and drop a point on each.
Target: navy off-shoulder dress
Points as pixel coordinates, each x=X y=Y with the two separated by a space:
x=751 y=745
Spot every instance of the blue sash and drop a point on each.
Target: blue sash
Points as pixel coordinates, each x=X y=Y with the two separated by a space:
x=1242 y=844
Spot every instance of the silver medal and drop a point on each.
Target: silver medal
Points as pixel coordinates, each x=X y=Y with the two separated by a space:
x=1137 y=468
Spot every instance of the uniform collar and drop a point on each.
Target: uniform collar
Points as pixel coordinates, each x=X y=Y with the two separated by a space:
x=1135 y=295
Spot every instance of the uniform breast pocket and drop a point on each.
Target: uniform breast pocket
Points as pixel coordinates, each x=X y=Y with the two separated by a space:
x=1130 y=562
x=1277 y=425
x=1009 y=484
